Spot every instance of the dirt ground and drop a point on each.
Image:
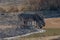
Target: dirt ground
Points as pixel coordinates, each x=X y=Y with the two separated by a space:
x=52 y=23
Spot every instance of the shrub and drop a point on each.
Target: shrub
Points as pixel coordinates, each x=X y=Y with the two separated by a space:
x=2 y=10
x=13 y=9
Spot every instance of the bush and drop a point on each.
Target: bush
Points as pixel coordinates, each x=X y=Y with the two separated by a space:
x=2 y=10
x=13 y=9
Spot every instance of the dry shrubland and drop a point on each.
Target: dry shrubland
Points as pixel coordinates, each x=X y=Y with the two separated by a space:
x=2 y=10
x=33 y=5
x=13 y=9
x=9 y=9
x=44 y=4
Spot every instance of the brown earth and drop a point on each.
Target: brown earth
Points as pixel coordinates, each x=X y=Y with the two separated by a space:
x=52 y=23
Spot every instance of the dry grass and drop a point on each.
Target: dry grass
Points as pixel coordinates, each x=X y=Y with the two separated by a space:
x=2 y=10
x=12 y=9
x=15 y=8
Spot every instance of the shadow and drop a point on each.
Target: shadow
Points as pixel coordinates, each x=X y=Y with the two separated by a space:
x=47 y=13
x=51 y=13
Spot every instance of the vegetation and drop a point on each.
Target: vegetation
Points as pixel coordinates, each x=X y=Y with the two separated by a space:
x=35 y=5
x=13 y=9
x=44 y=4
x=1 y=9
x=50 y=32
x=38 y=36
